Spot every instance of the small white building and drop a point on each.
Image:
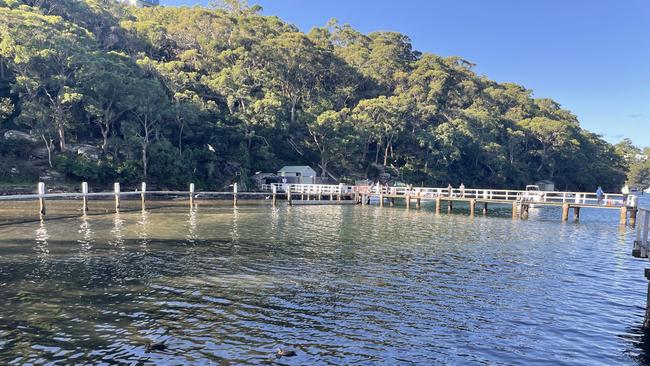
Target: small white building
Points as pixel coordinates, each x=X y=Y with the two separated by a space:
x=301 y=174
x=545 y=185
x=142 y=3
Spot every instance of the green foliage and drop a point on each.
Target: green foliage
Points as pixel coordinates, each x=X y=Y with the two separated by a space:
x=152 y=88
x=83 y=169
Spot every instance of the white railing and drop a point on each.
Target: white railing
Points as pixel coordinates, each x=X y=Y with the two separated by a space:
x=641 y=240
x=576 y=198
x=313 y=189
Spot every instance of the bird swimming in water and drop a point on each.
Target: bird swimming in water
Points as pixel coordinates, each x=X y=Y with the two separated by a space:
x=157 y=346
x=281 y=353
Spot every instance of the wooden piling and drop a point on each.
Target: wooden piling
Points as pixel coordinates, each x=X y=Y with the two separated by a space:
x=116 y=192
x=633 y=213
x=234 y=194
x=515 y=209
x=392 y=201
x=524 y=211
x=408 y=201
x=84 y=197
x=450 y=206
x=438 y=203
x=143 y=193
x=565 y=212
x=41 y=198
x=191 y=195
x=472 y=207
x=381 y=199
x=418 y=201
x=623 y=217
x=485 y=208
x=576 y=213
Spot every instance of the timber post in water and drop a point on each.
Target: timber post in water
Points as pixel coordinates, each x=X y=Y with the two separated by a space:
x=143 y=194
x=41 y=198
x=623 y=218
x=576 y=213
x=116 y=191
x=84 y=197
x=234 y=194
x=191 y=195
x=565 y=212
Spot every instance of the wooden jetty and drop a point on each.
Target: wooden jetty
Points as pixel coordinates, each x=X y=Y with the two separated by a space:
x=520 y=201
x=318 y=194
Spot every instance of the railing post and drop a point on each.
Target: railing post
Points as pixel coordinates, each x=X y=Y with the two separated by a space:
x=116 y=191
x=84 y=197
x=143 y=194
x=41 y=198
x=191 y=195
x=234 y=194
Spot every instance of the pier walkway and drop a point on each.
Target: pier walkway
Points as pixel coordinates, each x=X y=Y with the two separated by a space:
x=520 y=201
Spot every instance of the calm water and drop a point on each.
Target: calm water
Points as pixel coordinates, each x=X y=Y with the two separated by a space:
x=340 y=285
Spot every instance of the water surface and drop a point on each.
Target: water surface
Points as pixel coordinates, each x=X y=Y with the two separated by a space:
x=338 y=284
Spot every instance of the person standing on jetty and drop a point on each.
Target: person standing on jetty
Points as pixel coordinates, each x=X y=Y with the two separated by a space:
x=462 y=190
x=600 y=194
x=449 y=189
x=626 y=192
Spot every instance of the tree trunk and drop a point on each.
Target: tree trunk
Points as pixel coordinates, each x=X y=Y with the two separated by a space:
x=48 y=146
x=323 y=167
x=144 y=160
x=104 y=130
x=61 y=131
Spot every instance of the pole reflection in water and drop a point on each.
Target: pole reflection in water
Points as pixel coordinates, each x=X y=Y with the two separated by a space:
x=42 y=248
x=143 y=228
x=86 y=239
x=192 y=221
x=234 y=234
x=117 y=234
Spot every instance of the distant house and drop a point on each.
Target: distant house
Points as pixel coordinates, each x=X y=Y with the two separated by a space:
x=260 y=179
x=302 y=174
x=142 y=3
x=545 y=185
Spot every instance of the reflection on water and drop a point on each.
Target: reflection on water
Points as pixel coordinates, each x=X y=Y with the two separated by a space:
x=116 y=235
x=339 y=284
x=41 y=237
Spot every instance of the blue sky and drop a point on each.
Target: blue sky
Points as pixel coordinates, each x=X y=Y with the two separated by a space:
x=592 y=56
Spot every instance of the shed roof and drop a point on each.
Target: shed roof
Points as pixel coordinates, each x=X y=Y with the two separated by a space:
x=296 y=168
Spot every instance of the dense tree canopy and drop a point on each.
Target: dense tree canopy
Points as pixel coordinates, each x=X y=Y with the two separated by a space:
x=151 y=88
